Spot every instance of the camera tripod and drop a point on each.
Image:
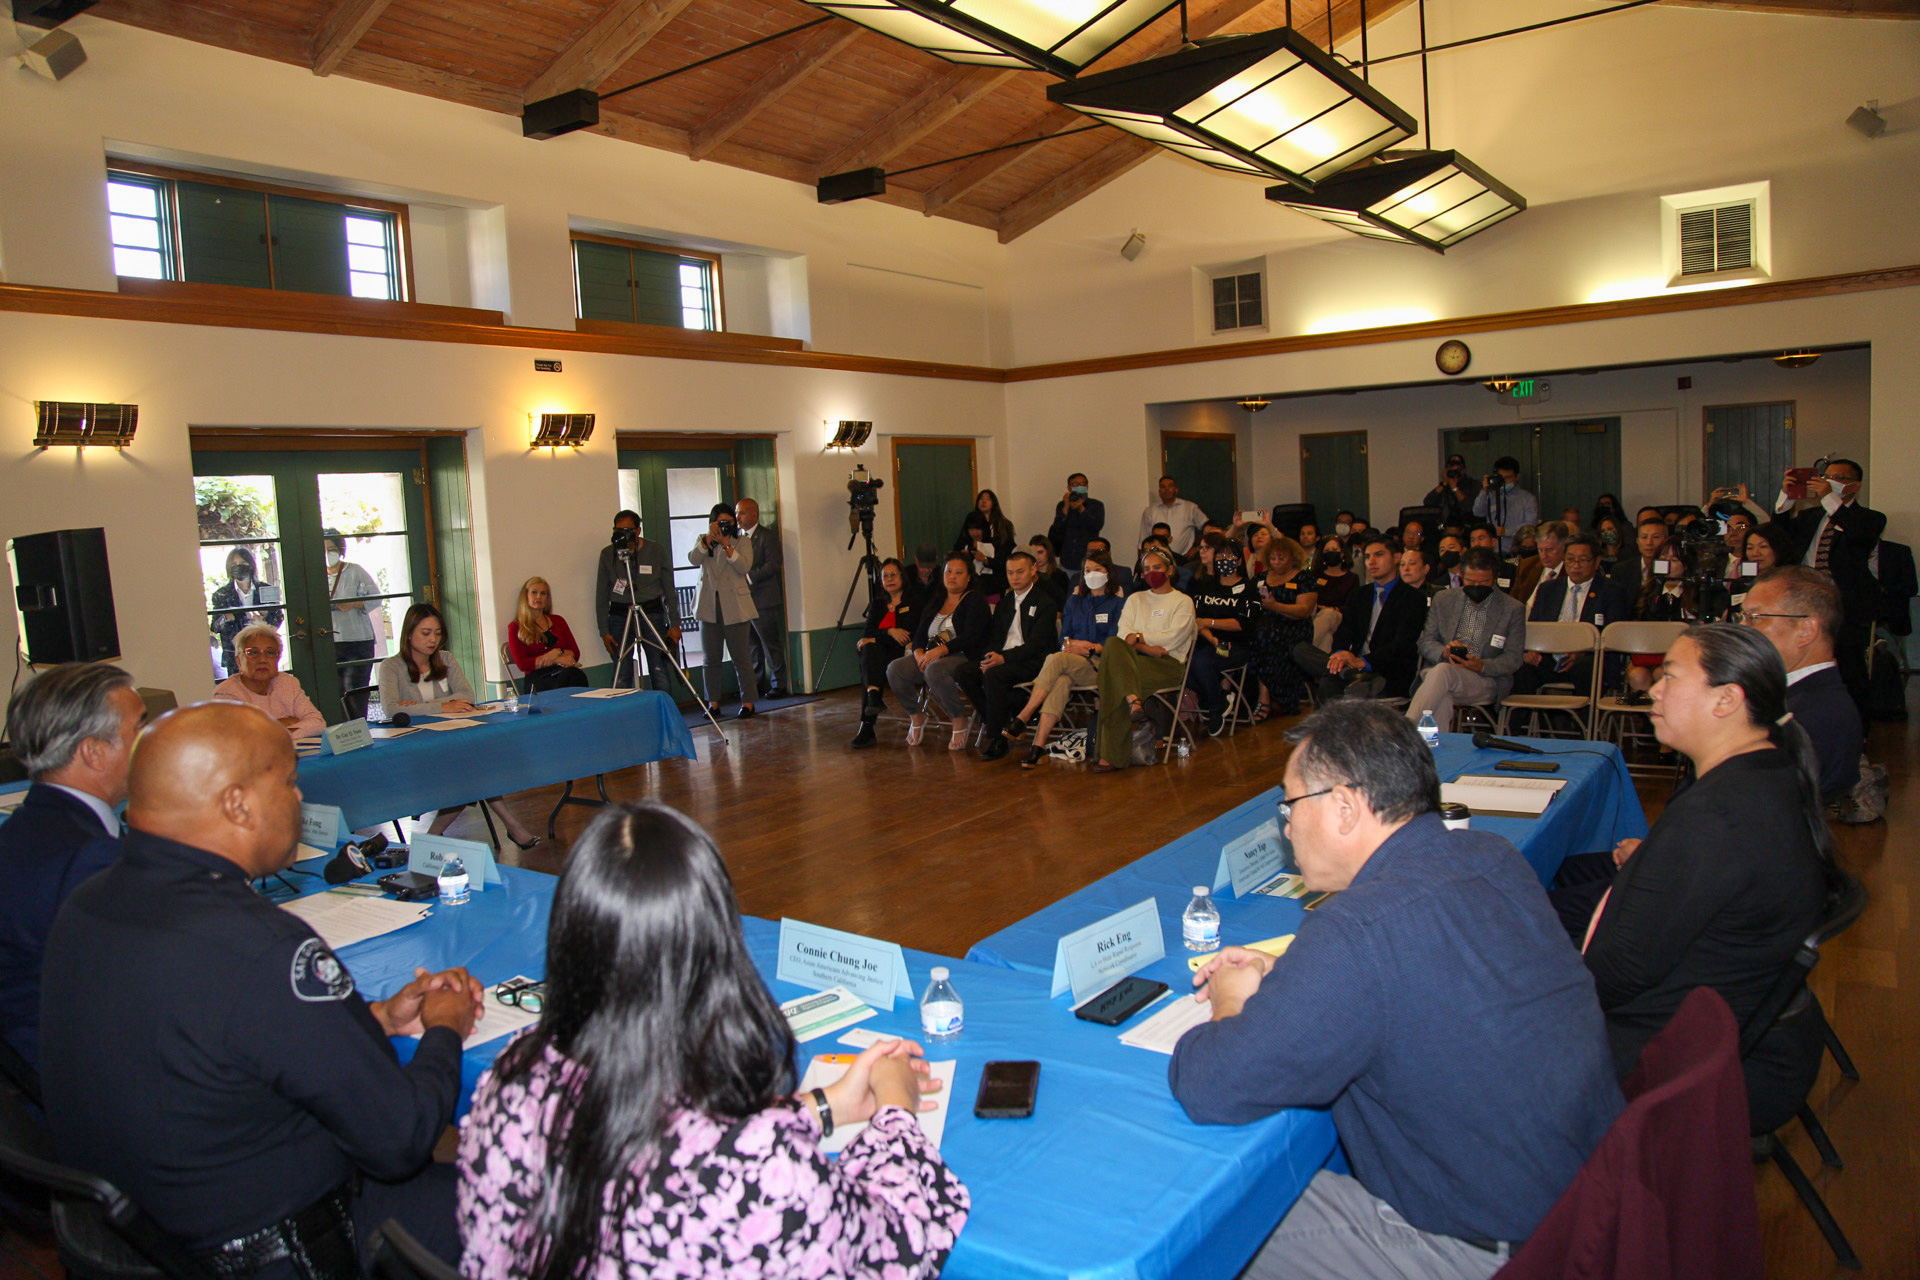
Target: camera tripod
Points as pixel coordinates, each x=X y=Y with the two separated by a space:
x=632 y=644
x=868 y=568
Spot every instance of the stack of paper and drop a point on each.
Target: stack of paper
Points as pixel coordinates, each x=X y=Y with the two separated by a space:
x=822 y=1072
x=501 y=1020
x=392 y=731
x=604 y=693
x=342 y=919
x=1163 y=1030
x=450 y=724
x=825 y=1012
x=1492 y=797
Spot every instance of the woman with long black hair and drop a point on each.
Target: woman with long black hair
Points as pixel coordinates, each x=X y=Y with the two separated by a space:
x=646 y=1124
x=1736 y=871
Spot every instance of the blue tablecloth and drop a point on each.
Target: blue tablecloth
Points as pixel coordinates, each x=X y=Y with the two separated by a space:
x=571 y=737
x=1596 y=809
x=1108 y=1179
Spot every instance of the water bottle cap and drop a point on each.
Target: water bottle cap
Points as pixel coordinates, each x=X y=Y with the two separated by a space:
x=1201 y=891
x=939 y=974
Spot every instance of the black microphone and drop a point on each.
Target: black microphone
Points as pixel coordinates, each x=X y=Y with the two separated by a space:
x=1487 y=742
x=346 y=865
x=398 y=720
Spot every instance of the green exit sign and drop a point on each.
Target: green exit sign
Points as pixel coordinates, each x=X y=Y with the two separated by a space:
x=1524 y=390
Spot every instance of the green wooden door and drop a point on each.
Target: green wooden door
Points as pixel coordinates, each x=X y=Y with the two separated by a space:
x=933 y=489
x=1750 y=444
x=1574 y=463
x=1203 y=466
x=1333 y=475
x=271 y=511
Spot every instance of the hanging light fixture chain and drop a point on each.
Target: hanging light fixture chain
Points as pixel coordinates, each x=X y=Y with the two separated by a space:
x=1426 y=48
x=725 y=53
x=1426 y=98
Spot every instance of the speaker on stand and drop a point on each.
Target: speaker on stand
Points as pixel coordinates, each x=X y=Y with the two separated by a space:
x=64 y=593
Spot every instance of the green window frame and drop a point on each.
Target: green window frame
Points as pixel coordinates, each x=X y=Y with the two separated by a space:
x=639 y=283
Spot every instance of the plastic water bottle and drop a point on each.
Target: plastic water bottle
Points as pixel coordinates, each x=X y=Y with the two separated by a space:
x=941 y=1014
x=454 y=888
x=1429 y=731
x=513 y=701
x=1200 y=922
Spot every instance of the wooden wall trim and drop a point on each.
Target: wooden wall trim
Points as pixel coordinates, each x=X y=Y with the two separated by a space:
x=696 y=337
x=289 y=301
x=248 y=439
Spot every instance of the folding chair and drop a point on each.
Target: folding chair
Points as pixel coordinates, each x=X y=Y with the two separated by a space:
x=1617 y=721
x=522 y=686
x=516 y=679
x=1237 y=679
x=398 y=1256
x=1170 y=697
x=1558 y=637
x=1471 y=716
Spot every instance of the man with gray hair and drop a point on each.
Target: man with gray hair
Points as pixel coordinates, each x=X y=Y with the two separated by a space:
x=1801 y=611
x=1471 y=646
x=1453 y=1032
x=73 y=729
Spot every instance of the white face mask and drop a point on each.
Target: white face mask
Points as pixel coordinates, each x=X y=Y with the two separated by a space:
x=1095 y=580
x=333 y=558
x=1343 y=529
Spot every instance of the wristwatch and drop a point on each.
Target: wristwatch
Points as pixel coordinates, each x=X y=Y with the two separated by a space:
x=825 y=1111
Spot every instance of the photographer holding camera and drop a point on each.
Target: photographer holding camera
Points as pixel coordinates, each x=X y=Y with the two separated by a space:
x=1504 y=504
x=725 y=604
x=652 y=590
x=1452 y=498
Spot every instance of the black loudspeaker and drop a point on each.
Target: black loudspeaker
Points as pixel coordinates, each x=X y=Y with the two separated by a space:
x=47 y=14
x=857 y=184
x=65 y=596
x=562 y=113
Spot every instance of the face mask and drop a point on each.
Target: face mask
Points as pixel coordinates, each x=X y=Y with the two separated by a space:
x=1524 y=551
x=1610 y=538
x=1328 y=560
x=1079 y=491
x=333 y=558
x=1343 y=529
x=1478 y=594
x=1156 y=578
x=241 y=578
x=1508 y=486
x=1225 y=566
x=1095 y=580
x=1449 y=559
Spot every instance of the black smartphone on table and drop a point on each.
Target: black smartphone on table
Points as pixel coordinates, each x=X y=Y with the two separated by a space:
x=1529 y=766
x=1121 y=1001
x=1007 y=1090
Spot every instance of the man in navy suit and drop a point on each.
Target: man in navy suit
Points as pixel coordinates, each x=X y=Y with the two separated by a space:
x=1799 y=609
x=1577 y=595
x=73 y=728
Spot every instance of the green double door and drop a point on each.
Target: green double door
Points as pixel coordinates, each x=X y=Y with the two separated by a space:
x=266 y=521
x=933 y=489
x=1564 y=464
x=1203 y=466
x=1333 y=476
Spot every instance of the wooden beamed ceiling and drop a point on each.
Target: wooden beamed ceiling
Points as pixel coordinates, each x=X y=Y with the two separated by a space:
x=826 y=100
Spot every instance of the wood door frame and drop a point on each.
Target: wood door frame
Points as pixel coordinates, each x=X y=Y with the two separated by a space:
x=1793 y=432
x=1365 y=452
x=1233 y=451
x=893 y=458
x=686 y=439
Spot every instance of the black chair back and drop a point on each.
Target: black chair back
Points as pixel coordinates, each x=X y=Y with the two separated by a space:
x=398 y=1256
x=1289 y=516
x=101 y=1234
x=19 y=1073
x=1429 y=518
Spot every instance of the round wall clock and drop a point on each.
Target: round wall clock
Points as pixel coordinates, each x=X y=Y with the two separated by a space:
x=1453 y=357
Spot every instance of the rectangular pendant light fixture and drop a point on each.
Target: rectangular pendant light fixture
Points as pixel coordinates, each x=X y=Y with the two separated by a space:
x=1434 y=199
x=72 y=423
x=1059 y=36
x=1270 y=103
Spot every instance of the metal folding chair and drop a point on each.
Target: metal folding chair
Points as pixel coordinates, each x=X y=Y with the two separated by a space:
x=1558 y=637
x=1170 y=698
x=1617 y=721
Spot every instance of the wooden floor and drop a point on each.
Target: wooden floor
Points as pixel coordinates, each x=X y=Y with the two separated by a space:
x=935 y=850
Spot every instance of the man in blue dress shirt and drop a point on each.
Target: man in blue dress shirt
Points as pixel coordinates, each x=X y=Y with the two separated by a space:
x=1433 y=1004
x=73 y=728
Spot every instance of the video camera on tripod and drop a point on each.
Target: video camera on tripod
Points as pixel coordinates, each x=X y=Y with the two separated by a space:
x=863 y=499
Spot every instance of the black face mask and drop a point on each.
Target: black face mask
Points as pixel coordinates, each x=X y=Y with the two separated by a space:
x=1449 y=559
x=1478 y=594
x=1330 y=561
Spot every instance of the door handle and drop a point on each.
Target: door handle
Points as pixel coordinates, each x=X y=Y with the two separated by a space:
x=323 y=631
x=299 y=635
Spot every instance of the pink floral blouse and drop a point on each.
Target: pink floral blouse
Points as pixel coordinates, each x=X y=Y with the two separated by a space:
x=756 y=1198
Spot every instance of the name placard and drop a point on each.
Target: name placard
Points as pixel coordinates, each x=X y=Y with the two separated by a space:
x=351 y=736
x=1088 y=961
x=821 y=958
x=426 y=854
x=321 y=825
x=1253 y=859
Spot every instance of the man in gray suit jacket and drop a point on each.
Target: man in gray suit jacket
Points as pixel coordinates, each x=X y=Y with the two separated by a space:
x=769 y=643
x=1472 y=643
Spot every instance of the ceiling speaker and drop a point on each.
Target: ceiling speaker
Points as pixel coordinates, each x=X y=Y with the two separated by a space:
x=55 y=55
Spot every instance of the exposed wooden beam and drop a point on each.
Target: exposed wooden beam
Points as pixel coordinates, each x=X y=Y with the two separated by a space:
x=1897 y=9
x=620 y=31
x=950 y=94
x=1125 y=152
x=802 y=58
x=340 y=30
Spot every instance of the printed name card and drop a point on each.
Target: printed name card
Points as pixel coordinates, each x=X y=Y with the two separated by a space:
x=351 y=736
x=1088 y=961
x=426 y=854
x=821 y=958
x=321 y=825
x=1253 y=859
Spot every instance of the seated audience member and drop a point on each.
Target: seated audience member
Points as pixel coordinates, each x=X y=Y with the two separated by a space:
x=424 y=678
x=1606 y=504
x=1343 y=524
x=541 y=643
x=1612 y=543
x=1545 y=565
x=924 y=581
x=1198 y=571
x=1576 y=596
x=648 y=1125
x=1447 y=567
x=1025 y=628
x=1259 y=537
x=1413 y=536
x=952 y=632
x=1376 y=646
x=1464 y=1106
x=260 y=683
x=890 y=618
x=1077 y=519
x=1088 y=620
x=987 y=557
x=1733 y=874
x=1119 y=575
x=999 y=528
x=72 y=730
x=1769 y=546
x=1289 y=594
x=1413 y=569
x=1309 y=535
x=265 y=1116
x=1334 y=581
x=1527 y=542
x=1650 y=541
x=1226 y=609
x=1799 y=609
x=242 y=600
x=1357 y=538
x=1570 y=516
x=725 y=608
x=1470 y=646
x=1148 y=652
x=1046 y=567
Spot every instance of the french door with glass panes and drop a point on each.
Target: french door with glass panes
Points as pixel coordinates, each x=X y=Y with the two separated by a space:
x=674 y=490
x=267 y=523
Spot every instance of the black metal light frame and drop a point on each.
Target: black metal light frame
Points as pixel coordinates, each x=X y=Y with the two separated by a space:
x=1377 y=200
x=956 y=31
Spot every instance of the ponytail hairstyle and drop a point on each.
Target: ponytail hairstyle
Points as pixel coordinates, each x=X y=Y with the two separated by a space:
x=1745 y=657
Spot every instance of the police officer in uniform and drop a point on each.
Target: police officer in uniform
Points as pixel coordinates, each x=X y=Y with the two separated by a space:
x=204 y=1050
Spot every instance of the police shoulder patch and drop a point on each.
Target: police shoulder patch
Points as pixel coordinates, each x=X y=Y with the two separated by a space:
x=318 y=976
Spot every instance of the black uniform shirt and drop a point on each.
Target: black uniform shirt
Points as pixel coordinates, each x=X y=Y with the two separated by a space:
x=1212 y=601
x=205 y=1052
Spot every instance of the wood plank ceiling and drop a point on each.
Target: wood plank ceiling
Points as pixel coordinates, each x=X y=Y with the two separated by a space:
x=832 y=98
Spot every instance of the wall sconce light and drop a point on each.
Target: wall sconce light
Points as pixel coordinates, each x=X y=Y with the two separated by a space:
x=551 y=430
x=1254 y=404
x=850 y=435
x=1500 y=386
x=66 y=422
x=1796 y=359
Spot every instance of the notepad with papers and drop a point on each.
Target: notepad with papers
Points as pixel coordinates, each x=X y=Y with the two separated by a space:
x=449 y=724
x=1495 y=797
x=1163 y=1030
x=603 y=693
x=342 y=919
x=824 y=1071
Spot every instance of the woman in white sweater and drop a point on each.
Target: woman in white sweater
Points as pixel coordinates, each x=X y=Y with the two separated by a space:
x=1148 y=652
